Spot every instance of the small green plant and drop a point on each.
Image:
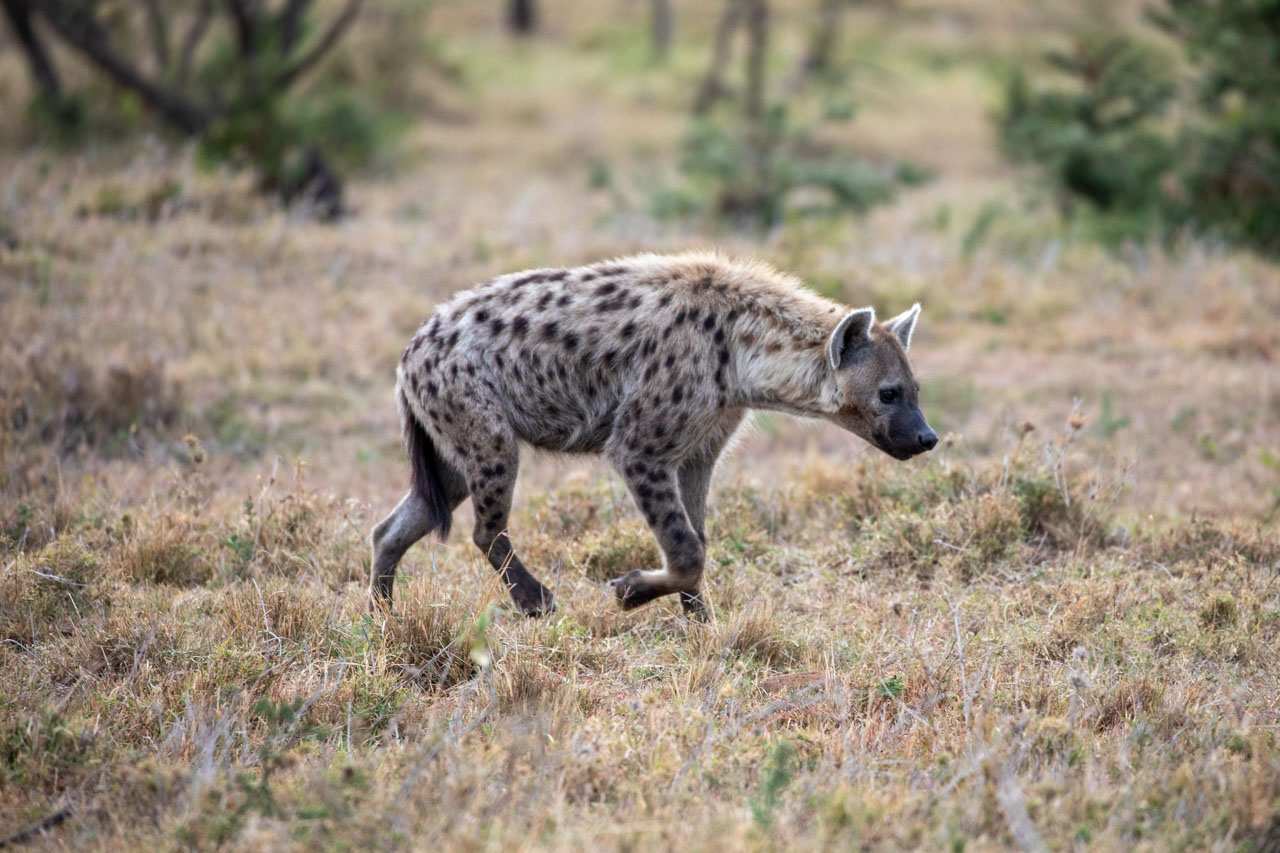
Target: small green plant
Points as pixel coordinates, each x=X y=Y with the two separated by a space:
x=892 y=687
x=751 y=173
x=1109 y=423
x=774 y=779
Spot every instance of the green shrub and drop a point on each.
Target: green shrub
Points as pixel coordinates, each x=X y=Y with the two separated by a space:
x=748 y=173
x=1096 y=134
x=1130 y=152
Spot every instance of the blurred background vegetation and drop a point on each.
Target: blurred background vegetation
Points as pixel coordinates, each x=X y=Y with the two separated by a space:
x=1138 y=126
x=221 y=220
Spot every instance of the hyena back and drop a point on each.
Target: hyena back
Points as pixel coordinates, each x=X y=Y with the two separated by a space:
x=651 y=360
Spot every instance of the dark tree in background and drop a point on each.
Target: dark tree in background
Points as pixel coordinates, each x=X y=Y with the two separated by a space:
x=522 y=16
x=1231 y=171
x=663 y=27
x=229 y=94
x=43 y=73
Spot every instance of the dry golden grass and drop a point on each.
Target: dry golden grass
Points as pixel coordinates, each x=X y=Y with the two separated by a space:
x=1058 y=631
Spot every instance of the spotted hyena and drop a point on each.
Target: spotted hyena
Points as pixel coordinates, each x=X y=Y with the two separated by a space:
x=651 y=360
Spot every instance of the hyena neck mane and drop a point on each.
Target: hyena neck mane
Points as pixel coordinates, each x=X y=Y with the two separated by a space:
x=780 y=336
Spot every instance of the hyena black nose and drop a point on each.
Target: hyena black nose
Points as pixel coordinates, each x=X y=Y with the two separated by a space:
x=928 y=439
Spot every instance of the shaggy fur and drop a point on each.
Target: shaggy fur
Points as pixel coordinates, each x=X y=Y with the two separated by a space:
x=651 y=360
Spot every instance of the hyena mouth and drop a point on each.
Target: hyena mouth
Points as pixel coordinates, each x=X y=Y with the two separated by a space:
x=902 y=455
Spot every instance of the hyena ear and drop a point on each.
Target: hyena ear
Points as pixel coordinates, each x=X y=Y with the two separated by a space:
x=852 y=332
x=903 y=325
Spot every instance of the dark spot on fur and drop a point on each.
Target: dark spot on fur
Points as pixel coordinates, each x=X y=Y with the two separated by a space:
x=560 y=275
x=628 y=330
x=482 y=315
x=519 y=326
x=677 y=394
x=545 y=300
x=564 y=300
x=663 y=302
x=497 y=326
x=671 y=360
x=606 y=288
x=719 y=335
x=680 y=318
x=527 y=279
x=724 y=356
x=432 y=389
x=570 y=341
x=549 y=330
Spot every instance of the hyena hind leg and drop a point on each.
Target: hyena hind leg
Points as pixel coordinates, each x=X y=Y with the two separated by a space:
x=397 y=533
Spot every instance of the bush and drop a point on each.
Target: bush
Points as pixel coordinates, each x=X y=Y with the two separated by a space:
x=1116 y=139
x=1098 y=141
x=754 y=174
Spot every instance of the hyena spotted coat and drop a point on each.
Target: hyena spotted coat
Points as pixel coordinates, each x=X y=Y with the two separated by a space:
x=651 y=360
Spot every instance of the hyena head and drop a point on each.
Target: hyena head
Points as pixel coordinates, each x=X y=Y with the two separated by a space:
x=877 y=394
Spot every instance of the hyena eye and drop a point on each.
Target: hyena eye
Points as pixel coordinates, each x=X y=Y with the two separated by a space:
x=888 y=395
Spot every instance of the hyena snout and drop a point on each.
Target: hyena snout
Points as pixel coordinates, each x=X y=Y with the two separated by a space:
x=908 y=436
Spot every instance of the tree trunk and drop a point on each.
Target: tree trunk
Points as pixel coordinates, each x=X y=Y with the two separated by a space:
x=757 y=42
x=758 y=133
x=662 y=28
x=817 y=59
x=713 y=88
x=43 y=73
x=522 y=16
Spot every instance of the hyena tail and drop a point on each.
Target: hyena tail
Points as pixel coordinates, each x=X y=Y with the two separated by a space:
x=428 y=471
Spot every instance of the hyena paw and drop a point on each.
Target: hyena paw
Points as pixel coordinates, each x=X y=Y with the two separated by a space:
x=534 y=601
x=632 y=590
x=695 y=606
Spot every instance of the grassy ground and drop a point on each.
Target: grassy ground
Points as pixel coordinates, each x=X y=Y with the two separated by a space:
x=1058 y=631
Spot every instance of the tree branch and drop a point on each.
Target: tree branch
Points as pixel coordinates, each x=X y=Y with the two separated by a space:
x=87 y=35
x=158 y=29
x=321 y=47
x=41 y=66
x=191 y=42
x=289 y=22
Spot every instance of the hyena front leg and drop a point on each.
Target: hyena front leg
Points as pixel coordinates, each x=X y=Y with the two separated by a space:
x=491 y=478
x=695 y=481
x=655 y=485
